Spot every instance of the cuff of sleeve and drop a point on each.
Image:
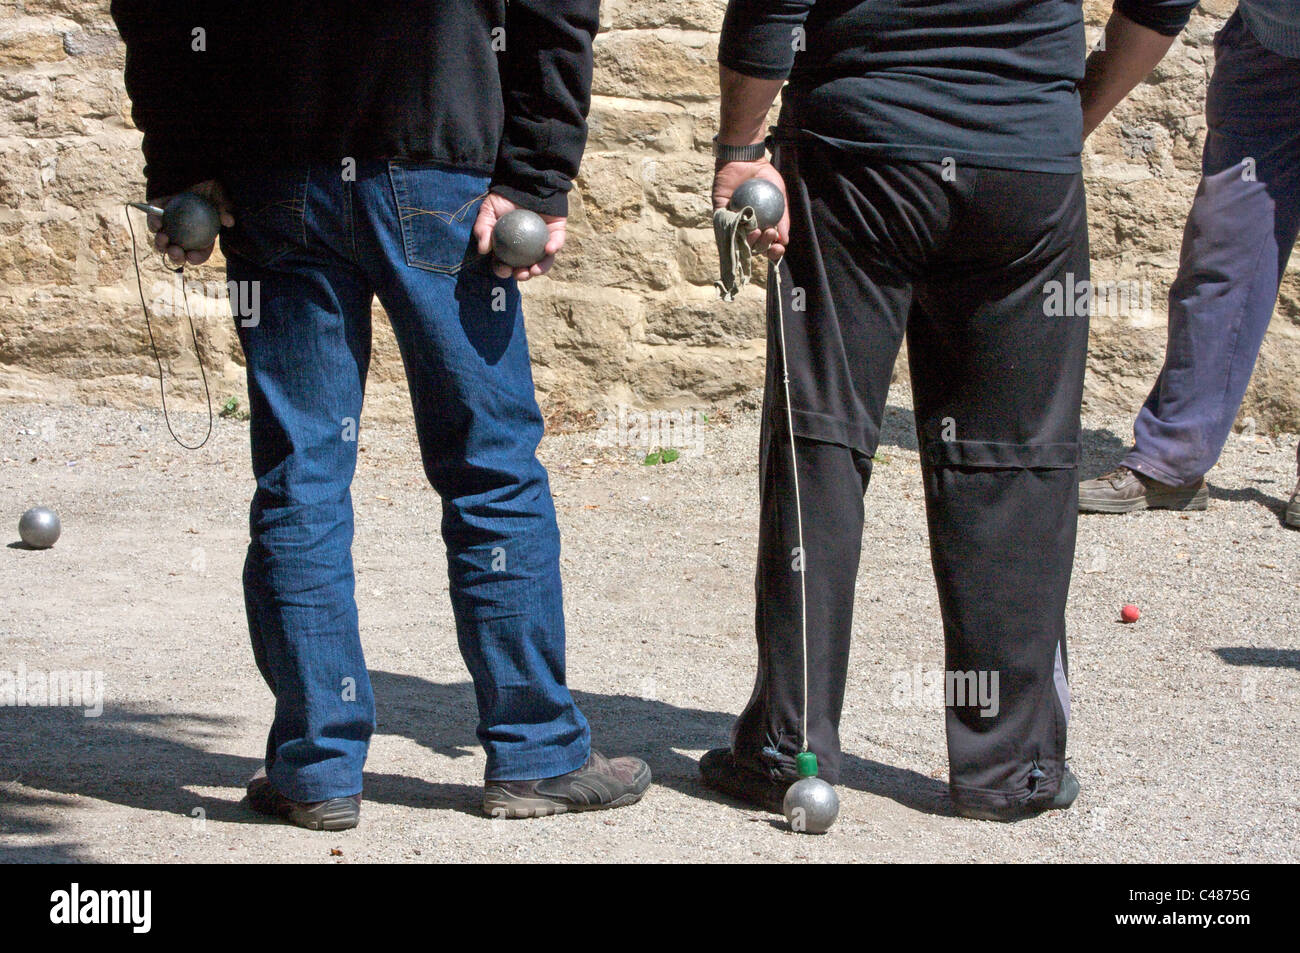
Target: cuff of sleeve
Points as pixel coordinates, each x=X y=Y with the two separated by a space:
x=751 y=68
x=170 y=179
x=1166 y=23
x=554 y=203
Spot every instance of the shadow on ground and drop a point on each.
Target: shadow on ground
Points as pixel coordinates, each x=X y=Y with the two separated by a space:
x=153 y=761
x=1264 y=658
x=442 y=720
x=898 y=428
x=1275 y=505
x=1102 y=451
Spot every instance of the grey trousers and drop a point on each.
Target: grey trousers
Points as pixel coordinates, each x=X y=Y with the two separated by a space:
x=1239 y=235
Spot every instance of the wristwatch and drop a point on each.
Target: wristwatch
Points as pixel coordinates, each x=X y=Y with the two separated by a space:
x=750 y=153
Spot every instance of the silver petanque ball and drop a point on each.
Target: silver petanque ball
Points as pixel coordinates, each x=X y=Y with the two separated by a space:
x=811 y=806
x=519 y=238
x=191 y=221
x=39 y=527
x=763 y=197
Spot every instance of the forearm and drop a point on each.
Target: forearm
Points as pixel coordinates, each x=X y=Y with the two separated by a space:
x=755 y=54
x=1127 y=56
x=746 y=101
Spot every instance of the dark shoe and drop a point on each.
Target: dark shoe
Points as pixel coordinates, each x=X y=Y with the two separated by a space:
x=1293 y=508
x=1123 y=491
x=1065 y=795
x=720 y=770
x=599 y=784
x=336 y=814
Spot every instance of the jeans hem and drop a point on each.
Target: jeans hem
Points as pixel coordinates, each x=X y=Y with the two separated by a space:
x=549 y=763
x=309 y=791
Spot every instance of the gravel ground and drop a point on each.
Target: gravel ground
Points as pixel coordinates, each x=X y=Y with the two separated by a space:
x=1184 y=732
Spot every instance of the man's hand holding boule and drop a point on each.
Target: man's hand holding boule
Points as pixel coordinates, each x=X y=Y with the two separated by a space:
x=729 y=176
x=211 y=190
x=746 y=101
x=495 y=207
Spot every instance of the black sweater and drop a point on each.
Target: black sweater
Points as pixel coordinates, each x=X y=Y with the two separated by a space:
x=501 y=88
x=985 y=82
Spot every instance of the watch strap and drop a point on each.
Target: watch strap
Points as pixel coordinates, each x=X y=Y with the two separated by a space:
x=750 y=153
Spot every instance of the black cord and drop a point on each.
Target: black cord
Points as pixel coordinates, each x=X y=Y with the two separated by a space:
x=162 y=390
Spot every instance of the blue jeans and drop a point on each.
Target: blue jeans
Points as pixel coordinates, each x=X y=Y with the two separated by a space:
x=320 y=247
x=1239 y=235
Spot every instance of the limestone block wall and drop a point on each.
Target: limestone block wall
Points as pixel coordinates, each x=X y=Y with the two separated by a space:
x=628 y=316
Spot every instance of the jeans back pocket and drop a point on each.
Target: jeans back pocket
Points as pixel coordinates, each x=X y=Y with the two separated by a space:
x=436 y=209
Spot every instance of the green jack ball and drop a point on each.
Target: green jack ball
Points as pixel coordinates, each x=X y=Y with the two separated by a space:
x=763 y=197
x=191 y=221
x=39 y=527
x=519 y=238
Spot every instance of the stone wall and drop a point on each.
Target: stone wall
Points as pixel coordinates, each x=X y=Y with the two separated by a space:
x=627 y=316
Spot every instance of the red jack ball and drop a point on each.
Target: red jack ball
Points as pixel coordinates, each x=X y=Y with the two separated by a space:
x=1130 y=613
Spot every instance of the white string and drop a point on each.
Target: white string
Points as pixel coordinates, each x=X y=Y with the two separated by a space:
x=798 y=509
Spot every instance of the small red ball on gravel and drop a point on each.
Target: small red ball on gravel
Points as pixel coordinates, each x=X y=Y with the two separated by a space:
x=1130 y=613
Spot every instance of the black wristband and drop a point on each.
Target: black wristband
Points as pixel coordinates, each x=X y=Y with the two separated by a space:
x=750 y=153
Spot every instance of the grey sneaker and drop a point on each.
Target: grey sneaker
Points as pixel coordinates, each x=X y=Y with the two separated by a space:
x=1293 y=508
x=1123 y=491
x=336 y=814
x=599 y=784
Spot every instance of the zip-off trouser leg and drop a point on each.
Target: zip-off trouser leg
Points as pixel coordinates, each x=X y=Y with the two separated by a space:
x=986 y=276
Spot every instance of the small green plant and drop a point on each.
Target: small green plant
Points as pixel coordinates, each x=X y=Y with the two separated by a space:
x=230 y=410
x=656 y=457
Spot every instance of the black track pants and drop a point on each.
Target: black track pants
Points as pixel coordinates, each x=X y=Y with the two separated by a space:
x=986 y=274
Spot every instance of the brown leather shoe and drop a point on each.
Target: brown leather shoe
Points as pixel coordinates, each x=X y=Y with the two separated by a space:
x=336 y=814
x=1123 y=491
x=599 y=784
